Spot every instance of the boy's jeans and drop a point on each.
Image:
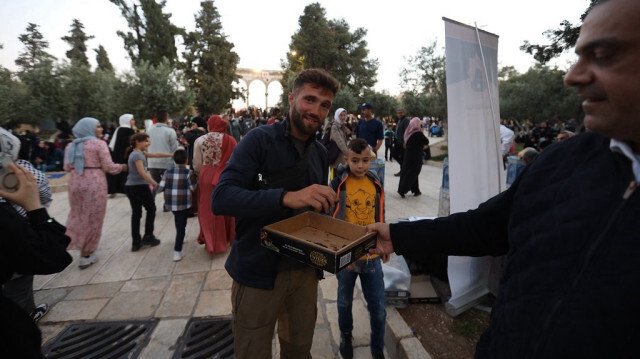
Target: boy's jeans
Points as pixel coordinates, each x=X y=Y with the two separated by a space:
x=180 y=219
x=371 y=278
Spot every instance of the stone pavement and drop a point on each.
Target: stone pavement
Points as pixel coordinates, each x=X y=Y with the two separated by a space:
x=147 y=284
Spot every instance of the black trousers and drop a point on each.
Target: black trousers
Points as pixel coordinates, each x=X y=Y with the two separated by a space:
x=141 y=196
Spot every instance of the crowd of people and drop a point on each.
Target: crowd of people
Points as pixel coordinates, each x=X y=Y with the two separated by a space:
x=568 y=288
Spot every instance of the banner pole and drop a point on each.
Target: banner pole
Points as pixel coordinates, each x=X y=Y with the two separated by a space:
x=493 y=113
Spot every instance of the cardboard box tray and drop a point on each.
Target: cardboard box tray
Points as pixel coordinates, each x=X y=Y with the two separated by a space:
x=318 y=240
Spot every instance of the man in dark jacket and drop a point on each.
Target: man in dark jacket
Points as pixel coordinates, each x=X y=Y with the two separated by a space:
x=569 y=224
x=274 y=173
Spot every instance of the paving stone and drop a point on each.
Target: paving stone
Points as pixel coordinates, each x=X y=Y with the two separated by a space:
x=218 y=279
x=73 y=276
x=131 y=305
x=72 y=310
x=164 y=338
x=146 y=284
x=40 y=281
x=218 y=260
x=121 y=266
x=90 y=291
x=329 y=287
x=50 y=296
x=197 y=259
x=181 y=296
x=214 y=303
x=157 y=263
x=323 y=347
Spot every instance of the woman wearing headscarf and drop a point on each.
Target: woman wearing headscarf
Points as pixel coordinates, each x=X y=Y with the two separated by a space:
x=118 y=145
x=339 y=134
x=210 y=155
x=414 y=143
x=87 y=158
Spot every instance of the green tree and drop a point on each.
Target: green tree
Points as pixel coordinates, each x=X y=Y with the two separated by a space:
x=149 y=88
x=42 y=96
x=384 y=105
x=332 y=46
x=35 y=50
x=102 y=58
x=539 y=95
x=424 y=80
x=562 y=39
x=153 y=36
x=78 y=42
x=210 y=62
x=11 y=91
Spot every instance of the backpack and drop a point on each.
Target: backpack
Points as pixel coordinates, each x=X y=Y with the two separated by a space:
x=330 y=145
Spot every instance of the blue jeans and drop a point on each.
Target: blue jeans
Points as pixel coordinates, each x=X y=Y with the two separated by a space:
x=180 y=219
x=371 y=278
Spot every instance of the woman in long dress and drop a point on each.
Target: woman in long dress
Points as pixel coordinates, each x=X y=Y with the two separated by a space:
x=210 y=155
x=118 y=145
x=87 y=158
x=414 y=143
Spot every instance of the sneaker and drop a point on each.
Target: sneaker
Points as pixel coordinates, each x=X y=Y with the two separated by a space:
x=417 y=194
x=149 y=240
x=86 y=262
x=177 y=256
x=346 y=347
x=39 y=312
x=377 y=356
x=401 y=194
x=135 y=246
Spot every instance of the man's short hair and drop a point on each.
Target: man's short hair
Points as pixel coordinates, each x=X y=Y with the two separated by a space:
x=180 y=156
x=316 y=77
x=162 y=116
x=358 y=145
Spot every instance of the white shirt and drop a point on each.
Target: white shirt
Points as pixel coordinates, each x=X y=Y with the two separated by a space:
x=625 y=149
x=506 y=139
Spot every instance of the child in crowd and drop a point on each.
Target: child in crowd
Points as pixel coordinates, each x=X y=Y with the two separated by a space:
x=139 y=192
x=177 y=183
x=361 y=201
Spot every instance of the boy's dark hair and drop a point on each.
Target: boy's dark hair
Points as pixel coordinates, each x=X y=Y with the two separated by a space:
x=358 y=145
x=180 y=156
x=316 y=77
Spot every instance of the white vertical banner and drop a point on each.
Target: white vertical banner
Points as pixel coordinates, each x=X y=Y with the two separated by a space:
x=476 y=172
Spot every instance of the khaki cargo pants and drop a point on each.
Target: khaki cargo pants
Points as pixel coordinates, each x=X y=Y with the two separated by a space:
x=292 y=304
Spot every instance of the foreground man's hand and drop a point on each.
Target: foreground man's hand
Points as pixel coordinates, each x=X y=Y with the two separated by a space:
x=321 y=198
x=383 y=243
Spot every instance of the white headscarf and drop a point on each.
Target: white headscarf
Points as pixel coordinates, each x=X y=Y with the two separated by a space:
x=336 y=116
x=125 y=121
x=9 y=144
x=85 y=129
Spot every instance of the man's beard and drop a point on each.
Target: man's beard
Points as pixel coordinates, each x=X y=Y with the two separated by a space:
x=298 y=122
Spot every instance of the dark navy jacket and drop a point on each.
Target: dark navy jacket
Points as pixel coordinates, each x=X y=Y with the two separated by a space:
x=264 y=151
x=570 y=226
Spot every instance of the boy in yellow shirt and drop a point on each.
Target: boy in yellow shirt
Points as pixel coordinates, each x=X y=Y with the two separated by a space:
x=361 y=201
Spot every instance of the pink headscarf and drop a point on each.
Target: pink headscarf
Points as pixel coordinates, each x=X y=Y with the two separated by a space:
x=415 y=125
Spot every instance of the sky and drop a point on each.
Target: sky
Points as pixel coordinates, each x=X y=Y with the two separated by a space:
x=261 y=30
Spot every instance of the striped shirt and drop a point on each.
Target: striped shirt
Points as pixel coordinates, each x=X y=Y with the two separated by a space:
x=177 y=183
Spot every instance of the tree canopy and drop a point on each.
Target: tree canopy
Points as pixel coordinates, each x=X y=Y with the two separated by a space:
x=77 y=39
x=210 y=62
x=152 y=35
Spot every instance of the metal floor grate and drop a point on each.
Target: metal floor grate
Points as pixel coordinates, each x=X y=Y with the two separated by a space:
x=205 y=338
x=113 y=340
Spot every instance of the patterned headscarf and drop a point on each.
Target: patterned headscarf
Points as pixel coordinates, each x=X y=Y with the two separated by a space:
x=9 y=144
x=85 y=129
x=125 y=121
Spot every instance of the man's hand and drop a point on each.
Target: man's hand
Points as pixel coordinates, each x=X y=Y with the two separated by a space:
x=383 y=242
x=317 y=196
